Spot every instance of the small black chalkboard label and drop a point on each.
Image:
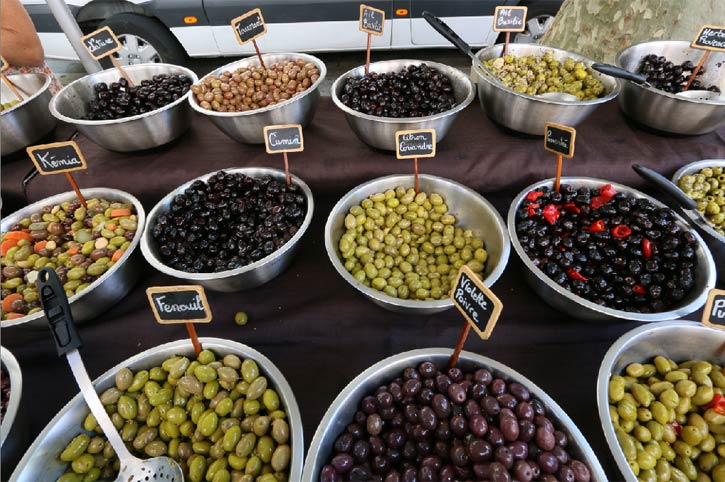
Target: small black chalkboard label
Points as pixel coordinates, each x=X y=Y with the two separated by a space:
x=415 y=144
x=509 y=19
x=710 y=37
x=559 y=139
x=179 y=304
x=372 y=20
x=57 y=157
x=249 y=26
x=476 y=302
x=101 y=43
x=714 y=313
x=284 y=138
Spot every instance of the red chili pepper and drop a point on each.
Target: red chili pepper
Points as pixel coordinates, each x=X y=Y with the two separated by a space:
x=534 y=195
x=639 y=289
x=597 y=202
x=597 y=226
x=532 y=208
x=717 y=404
x=573 y=274
x=550 y=213
x=571 y=207
x=678 y=428
x=607 y=191
x=621 y=231
x=646 y=248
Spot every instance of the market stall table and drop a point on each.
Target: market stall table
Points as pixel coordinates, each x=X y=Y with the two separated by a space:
x=320 y=332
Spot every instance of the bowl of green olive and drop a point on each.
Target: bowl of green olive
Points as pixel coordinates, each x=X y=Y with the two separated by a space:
x=402 y=249
x=222 y=414
x=660 y=397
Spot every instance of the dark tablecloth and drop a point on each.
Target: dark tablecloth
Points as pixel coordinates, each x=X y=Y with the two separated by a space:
x=316 y=328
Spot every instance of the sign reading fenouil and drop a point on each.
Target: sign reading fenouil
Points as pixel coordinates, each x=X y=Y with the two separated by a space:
x=179 y=304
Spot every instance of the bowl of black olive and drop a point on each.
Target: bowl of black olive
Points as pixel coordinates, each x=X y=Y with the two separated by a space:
x=401 y=95
x=410 y=417
x=229 y=230
x=668 y=66
x=601 y=251
x=150 y=111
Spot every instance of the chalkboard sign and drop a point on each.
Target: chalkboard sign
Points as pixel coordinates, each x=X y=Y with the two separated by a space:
x=714 y=313
x=476 y=302
x=249 y=26
x=710 y=37
x=415 y=144
x=179 y=304
x=101 y=43
x=559 y=139
x=509 y=19
x=284 y=138
x=5 y=66
x=372 y=20
x=57 y=157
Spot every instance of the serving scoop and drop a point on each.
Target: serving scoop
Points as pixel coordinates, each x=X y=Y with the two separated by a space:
x=67 y=341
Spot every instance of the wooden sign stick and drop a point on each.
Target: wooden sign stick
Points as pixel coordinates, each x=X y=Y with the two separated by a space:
x=506 y=44
x=11 y=86
x=559 y=165
x=415 y=170
x=72 y=182
x=123 y=73
x=259 y=54
x=367 y=55
x=194 y=338
x=459 y=346
x=286 y=169
x=697 y=70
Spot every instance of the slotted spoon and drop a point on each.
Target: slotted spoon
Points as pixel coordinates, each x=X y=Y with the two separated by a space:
x=67 y=341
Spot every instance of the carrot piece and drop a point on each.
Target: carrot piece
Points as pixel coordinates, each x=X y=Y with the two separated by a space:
x=117 y=213
x=7 y=303
x=17 y=235
x=73 y=250
x=110 y=226
x=117 y=255
x=39 y=245
x=6 y=245
x=12 y=316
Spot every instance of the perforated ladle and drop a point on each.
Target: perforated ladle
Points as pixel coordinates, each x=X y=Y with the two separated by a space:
x=67 y=341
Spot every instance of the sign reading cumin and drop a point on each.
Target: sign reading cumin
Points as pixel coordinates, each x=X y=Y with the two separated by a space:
x=101 y=43
x=57 y=157
x=249 y=26
x=284 y=138
x=509 y=19
x=179 y=304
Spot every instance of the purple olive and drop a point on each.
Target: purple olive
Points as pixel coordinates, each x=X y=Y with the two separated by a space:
x=442 y=383
x=561 y=455
x=527 y=430
x=426 y=473
x=524 y=411
x=522 y=471
x=374 y=424
x=393 y=476
x=329 y=474
x=441 y=405
x=427 y=369
x=581 y=471
x=459 y=425
x=377 y=445
x=479 y=451
x=509 y=427
x=385 y=399
x=443 y=431
x=519 y=391
x=498 y=387
x=369 y=405
x=507 y=400
x=478 y=425
x=483 y=376
x=455 y=374
x=561 y=439
x=565 y=474
x=412 y=387
x=494 y=436
x=459 y=456
x=519 y=449
x=504 y=456
x=342 y=463
x=456 y=393
x=490 y=406
x=545 y=439
x=547 y=462
x=344 y=442
x=499 y=473
x=361 y=451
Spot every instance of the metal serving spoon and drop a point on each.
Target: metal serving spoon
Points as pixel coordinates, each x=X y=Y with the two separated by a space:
x=67 y=341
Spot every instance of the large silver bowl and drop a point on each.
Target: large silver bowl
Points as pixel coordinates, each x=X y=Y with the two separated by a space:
x=135 y=133
x=678 y=340
x=41 y=463
x=341 y=412
x=471 y=210
x=29 y=121
x=667 y=112
x=112 y=286
x=379 y=132
x=528 y=113
x=246 y=277
x=576 y=306
x=248 y=127
x=12 y=369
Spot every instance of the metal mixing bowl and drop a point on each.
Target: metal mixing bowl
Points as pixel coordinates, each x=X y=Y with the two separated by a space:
x=528 y=113
x=30 y=120
x=341 y=412
x=41 y=463
x=12 y=370
x=667 y=112
x=135 y=133
x=576 y=306
x=112 y=286
x=246 y=277
x=379 y=132
x=248 y=127
x=677 y=340
x=472 y=211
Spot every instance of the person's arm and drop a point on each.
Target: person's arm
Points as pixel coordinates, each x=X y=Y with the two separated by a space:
x=19 y=42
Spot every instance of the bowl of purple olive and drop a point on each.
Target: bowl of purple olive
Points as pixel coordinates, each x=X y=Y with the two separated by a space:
x=149 y=111
x=602 y=251
x=409 y=417
x=229 y=230
x=401 y=95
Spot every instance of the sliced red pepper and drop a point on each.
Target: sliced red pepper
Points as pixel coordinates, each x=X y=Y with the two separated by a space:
x=534 y=195
x=646 y=248
x=550 y=213
x=597 y=202
x=573 y=274
x=607 y=191
x=677 y=427
x=532 y=208
x=597 y=226
x=621 y=231
x=571 y=207
x=639 y=289
x=717 y=404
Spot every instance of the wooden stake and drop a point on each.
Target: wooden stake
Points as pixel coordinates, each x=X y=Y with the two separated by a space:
x=697 y=69
x=506 y=44
x=259 y=54
x=76 y=189
x=123 y=73
x=559 y=164
x=286 y=169
x=11 y=86
x=194 y=339
x=415 y=170
x=459 y=346
x=367 y=55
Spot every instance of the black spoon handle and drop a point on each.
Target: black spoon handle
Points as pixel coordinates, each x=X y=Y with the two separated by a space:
x=57 y=311
x=666 y=186
x=620 y=73
x=442 y=28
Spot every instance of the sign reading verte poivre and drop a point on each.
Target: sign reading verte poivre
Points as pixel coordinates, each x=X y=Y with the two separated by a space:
x=284 y=138
x=372 y=20
x=56 y=157
x=101 y=43
x=559 y=139
x=179 y=304
x=476 y=302
x=714 y=313
x=509 y=19
x=249 y=26
x=710 y=37
x=415 y=144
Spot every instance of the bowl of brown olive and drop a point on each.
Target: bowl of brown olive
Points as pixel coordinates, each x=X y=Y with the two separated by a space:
x=410 y=417
x=243 y=97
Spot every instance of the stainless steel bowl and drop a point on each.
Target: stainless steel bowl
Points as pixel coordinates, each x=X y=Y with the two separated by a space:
x=694 y=168
x=41 y=463
x=578 y=307
x=12 y=369
x=248 y=127
x=112 y=286
x=246 y=277
x=471 y=210
x=135 y=133
x=528 y=113
x=29 y=121
x=379 y=132
x=667 y=112
x=341 y=412
x=678 y=340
